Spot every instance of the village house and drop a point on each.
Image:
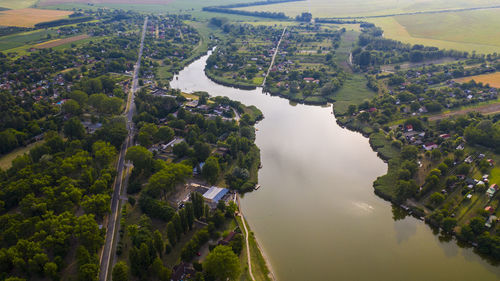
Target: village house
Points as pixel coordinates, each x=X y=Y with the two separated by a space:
x=492 y=190
x=430 y=146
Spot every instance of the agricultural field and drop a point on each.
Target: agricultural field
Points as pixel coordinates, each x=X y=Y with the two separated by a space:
x=59 y=42
x=493 y=79
x=464 y=31
x=24 y=38
x=461 y=30
x=29 y=17
x=351 y=8
x=153 y=6
x=17 y=4
x=145 y=2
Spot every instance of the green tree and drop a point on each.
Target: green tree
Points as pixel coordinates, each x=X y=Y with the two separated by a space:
x=80 y=97
x=88 y=272
x=222 y=264
x=448 y=224
x=72 y=107
x=171 y=233
x=120 y=272
x=97 y=204
x=211 y=170
x=181 y=149
x=409 y=152
x=50 y=270
x=437 y=198
x=202 y=151
x=104 y=152
x=140 y=156
x=74 y=129
x=165 y=134
x=158 y=242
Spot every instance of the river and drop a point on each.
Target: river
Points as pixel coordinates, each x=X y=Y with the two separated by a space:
x=316 y=215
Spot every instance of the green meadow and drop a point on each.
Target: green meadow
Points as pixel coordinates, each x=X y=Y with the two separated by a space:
x=17 y=4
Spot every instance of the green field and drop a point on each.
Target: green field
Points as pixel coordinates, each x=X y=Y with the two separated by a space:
x=21 y=39
x=17 y=4
x=466 y=31
x=354 y=91
x=349 y=8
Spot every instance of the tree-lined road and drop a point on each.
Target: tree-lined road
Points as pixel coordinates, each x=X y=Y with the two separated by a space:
x=120 y=184
x=274 y=56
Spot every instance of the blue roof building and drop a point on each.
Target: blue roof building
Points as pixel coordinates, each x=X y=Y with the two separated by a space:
x=214 y=194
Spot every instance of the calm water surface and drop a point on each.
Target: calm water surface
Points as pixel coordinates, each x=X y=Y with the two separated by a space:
x=316 y=215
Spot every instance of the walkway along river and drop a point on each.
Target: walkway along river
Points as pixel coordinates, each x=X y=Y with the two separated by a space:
x=316 y=215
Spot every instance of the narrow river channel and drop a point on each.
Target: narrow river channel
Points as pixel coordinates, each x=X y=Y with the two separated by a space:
x=316 y=215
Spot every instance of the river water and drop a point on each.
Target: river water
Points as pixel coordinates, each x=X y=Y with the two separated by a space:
x=316 y=215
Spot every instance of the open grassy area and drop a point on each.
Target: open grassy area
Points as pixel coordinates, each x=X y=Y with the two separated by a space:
x=6 y=160
x=17 y=4
x=29 y=17
x=354 y=91
x=259 y=267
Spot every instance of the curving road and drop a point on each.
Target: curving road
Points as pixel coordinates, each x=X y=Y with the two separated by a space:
x=121 y=180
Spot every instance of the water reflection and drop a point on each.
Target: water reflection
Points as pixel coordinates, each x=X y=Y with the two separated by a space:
x=316 y=214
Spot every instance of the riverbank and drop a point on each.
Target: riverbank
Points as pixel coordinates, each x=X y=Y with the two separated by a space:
x=260 y=264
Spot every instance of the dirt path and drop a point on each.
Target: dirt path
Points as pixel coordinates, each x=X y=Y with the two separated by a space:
x=485 y=109
x=246 y=240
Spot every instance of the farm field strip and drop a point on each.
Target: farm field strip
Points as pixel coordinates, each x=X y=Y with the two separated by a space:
x=58 y=42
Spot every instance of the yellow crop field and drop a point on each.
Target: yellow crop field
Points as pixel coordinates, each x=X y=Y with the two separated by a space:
x=29 y=17
x=492 y=78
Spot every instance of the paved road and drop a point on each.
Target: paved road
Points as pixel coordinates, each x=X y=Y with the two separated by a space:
x=274 y=56
x=120 y=184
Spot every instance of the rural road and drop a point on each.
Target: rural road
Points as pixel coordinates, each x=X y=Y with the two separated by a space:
x=274 y=56
x=120 y=185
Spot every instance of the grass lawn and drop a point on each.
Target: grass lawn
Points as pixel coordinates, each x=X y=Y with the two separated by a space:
x=495 y=175
x=6 y=160
x=354 y=91
x=259 y=267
